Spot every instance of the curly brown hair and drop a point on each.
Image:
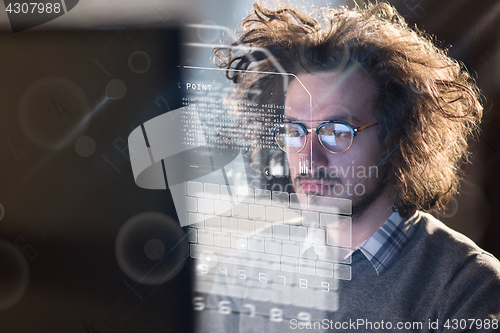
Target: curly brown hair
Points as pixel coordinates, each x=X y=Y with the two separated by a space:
x=427 y=104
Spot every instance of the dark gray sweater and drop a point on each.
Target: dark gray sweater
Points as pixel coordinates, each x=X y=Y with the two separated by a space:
x=441 y=282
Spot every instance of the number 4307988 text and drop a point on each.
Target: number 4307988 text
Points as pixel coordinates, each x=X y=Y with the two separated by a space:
x=33 y=7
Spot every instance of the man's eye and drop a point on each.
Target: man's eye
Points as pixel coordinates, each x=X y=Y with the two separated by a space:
x=294 y=134
x=329 y=132
x=339 y=134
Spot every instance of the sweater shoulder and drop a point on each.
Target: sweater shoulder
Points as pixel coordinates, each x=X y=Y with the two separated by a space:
x=443 y=242
x=455 y=259
x=439 y=254
x=457 y=277
x=471 y=287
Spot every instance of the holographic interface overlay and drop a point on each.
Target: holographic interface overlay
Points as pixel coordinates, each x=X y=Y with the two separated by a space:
x=259 y=249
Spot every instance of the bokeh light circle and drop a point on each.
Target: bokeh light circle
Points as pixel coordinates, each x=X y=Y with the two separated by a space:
x=241 y=244
x=85 y=146
x=209 y=258
x=154 y=249
x=150 y=248
x=450 y=209
x=14 y=274
x=139 y=62
x=116 y=89
x=209 y=33
x=53 y=112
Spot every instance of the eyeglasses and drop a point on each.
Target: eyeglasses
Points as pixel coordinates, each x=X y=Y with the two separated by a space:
x=334 y=136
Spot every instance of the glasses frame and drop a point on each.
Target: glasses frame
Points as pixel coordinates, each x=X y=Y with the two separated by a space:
x=354 y=130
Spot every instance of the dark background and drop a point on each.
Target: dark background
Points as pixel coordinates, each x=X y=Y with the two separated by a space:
x=63 y=211
x=471 y=32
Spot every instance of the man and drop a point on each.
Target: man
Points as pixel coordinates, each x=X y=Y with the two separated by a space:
x=368 y=94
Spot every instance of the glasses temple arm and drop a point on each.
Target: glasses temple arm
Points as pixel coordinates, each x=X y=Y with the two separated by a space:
x=357 y=129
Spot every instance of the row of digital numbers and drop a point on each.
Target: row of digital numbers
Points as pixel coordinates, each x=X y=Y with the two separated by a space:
x=24 y=8
x=303 y=283
x=224 y=307
x=276 y=315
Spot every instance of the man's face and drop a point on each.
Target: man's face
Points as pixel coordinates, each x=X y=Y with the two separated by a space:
x=316 y=171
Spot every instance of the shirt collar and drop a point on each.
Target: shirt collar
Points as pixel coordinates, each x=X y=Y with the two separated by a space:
x=387 y=243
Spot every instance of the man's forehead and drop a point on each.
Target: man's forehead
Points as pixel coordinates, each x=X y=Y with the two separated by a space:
x=325 y=95
x=341 y=116
x=323 y=84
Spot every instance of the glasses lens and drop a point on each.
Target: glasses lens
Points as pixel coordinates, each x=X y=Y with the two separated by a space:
x=336 y=138
x=290 y=137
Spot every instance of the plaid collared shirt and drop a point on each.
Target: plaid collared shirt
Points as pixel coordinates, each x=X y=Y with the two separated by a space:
x=385 y=245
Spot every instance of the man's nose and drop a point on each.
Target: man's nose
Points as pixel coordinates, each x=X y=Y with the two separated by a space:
x=314 y=155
